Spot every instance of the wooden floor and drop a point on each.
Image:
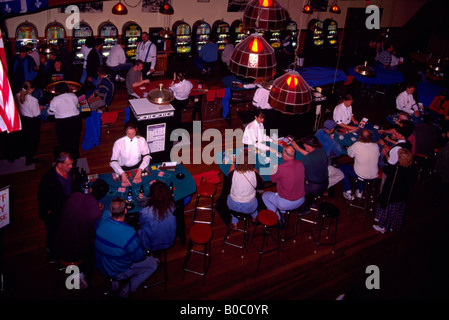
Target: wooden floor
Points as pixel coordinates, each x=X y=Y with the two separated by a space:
x=413 y=262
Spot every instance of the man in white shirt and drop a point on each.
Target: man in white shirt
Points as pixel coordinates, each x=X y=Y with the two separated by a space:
x=343 y=115
x=405 y=101
x=227 y=52
x=116 y=61
x=130 y=152
x=181 y=89
x=366 y=158
x=147 y=52
x=254 y=133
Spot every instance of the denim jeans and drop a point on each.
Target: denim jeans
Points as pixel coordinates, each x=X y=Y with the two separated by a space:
x=348 y=171
x=249 y=208
x=273 y=201
x=138 y=273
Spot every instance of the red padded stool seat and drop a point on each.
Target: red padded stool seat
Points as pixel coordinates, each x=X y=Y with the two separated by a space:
x=267 y=217
x=200 y=233
x=206 y=189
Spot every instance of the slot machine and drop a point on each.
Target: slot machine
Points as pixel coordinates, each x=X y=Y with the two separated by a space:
x=53 y=32
x=274 y=38
x=221 y=30
x=131 y=34
x=183 y=40
x=156 y=39
x=238 y=31
x=201 y=31
x=109 y=33
x=315 y=29
x=330 y=30
x=80 y=36
x=26 y=33
x=293 y=28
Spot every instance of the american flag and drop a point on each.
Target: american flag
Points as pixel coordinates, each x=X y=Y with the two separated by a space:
x=9 y=117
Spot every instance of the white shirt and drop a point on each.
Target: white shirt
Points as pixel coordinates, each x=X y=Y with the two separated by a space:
x=366 y=159
x=393 y=153
x=405 y=102
x=342 y=114
x=30 y=107
x=64 y=106
x=127 y=152
x=181 y=90
x=260 y=98
x=141 y=53
x=85 y=51
x=243 y=186
x=116 y=56
x=254 y=135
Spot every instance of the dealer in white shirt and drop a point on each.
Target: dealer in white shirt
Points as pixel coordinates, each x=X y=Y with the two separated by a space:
x=406 y=102
x=254 y=133
x=130 y=152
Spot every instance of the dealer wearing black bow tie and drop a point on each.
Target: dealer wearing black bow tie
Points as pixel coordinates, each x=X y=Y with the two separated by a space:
x=129 y=153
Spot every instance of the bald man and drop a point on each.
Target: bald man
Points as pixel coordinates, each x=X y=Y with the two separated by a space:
x=289 y=177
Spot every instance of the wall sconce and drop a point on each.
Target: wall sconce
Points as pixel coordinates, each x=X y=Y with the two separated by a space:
x=307 y=8
x=335 y=8
x=119 y=9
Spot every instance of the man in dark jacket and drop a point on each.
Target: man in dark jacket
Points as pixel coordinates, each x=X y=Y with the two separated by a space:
x=54 y=189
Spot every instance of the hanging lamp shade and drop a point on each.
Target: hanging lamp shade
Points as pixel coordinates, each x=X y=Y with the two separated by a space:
x=264 y=15
x=160 y=95
x=119 y=9
x=253 y=57
x=365 y=70
x=290 y=94
x=166 y=33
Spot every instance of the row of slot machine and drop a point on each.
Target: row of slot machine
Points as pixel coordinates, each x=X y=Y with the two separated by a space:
x=27 y=33
x=323 y=34
x=191 y=39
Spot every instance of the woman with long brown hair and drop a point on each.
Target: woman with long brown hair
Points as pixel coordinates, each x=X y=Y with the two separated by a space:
x=157 y=222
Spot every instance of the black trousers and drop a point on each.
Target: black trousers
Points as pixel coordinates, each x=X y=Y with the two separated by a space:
x=31 y=134
x=68 y=131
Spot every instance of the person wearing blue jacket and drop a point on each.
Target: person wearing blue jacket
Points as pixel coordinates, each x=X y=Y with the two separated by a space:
x=119 y=252
x=157 y=222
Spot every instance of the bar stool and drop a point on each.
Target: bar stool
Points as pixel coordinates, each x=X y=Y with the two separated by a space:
x=242 y=217
x=367 y=201
x=200 y=235
x=327 y=211
x=269 y=220
x=206 y=190
x=285 y=216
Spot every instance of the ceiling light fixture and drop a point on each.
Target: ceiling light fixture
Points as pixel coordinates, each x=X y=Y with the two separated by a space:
x=264 y=15
x=119 y=9
x=307 y=8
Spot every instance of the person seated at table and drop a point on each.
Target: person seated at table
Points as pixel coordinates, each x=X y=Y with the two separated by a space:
x=129 y=153
x=315 y=165
x=389 y=154
x=254 y=134
x=245 y=180
x=75 y=235
x=118 y=251
x=134 y=78
x=157 y=221
x=343 y=115
x=403 y=120
x=383 y=59
x=406 y=102
x=207 y=56
x=181 y=88
x=426 y=137
x=102 y=95
x=56 y=72
x=366 y=158
x=289 y=177
x=116 y=61
x=333 y=151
